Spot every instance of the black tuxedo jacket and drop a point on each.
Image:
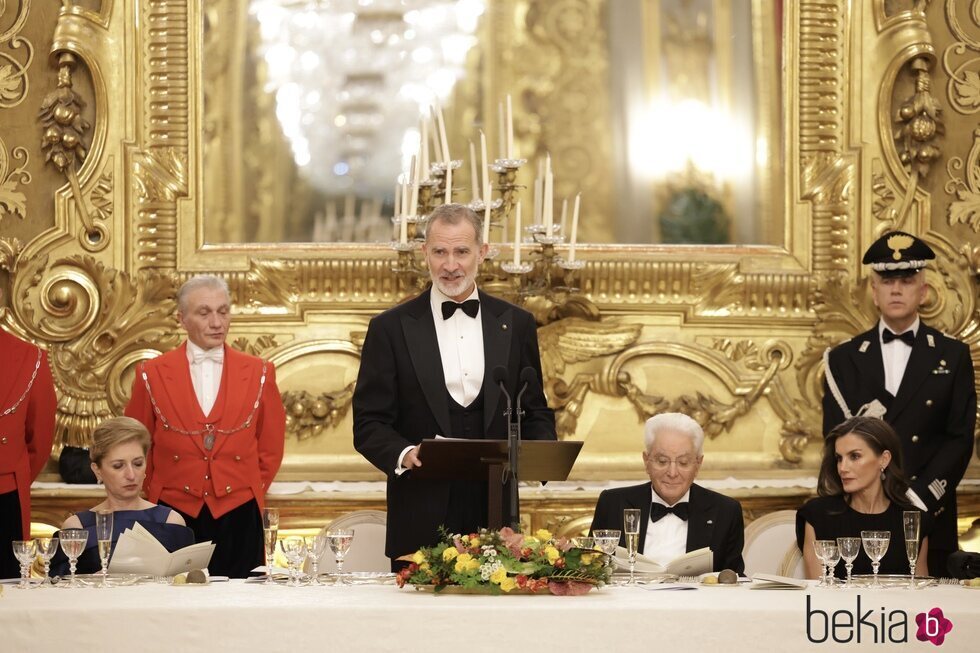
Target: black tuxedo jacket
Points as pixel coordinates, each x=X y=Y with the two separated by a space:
x=401 y=399
x=715 y=521
x=934 y=413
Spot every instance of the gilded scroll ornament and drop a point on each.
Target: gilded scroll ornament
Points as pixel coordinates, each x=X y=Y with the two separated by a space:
x=307 y=415
x=98 y=322
x=919 y=123
x=12 y=200
x=14 y=82
x=256 y=347
x=965 y=209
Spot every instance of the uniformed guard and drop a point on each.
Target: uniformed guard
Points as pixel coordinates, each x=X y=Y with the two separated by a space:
x=217 y=424
x=27 y=415
x=916 y=378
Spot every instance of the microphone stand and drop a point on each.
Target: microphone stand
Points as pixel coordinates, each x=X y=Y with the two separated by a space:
x=513 y=459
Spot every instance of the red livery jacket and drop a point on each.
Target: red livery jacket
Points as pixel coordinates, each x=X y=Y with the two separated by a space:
x=248 y=440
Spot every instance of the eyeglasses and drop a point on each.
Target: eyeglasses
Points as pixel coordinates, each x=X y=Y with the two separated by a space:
x=663 y=462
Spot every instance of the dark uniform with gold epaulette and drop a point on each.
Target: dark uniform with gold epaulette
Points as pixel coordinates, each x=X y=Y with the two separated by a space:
x=933 y=412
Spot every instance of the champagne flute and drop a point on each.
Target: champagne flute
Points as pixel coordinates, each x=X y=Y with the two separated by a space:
x=25 y=552
x=294 y=548
x=103 y=532
x=316 y=546
x=607 y=540
x=911 y=521
x=340 y=541
x=849 y=548
x=46 y=548
x=875 y=545
x=73 y=541
x=820 y=550
x=270 y=533
x=631 y=526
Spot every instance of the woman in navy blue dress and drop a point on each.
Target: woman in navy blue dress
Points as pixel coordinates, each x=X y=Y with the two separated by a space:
x=119 y=461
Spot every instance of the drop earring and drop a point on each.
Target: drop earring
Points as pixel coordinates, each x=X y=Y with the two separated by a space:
x=882 y=473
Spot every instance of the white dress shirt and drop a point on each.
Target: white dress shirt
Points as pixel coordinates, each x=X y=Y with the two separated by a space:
x=206 y=368
x=666 y=538
x=895 y=357
x=460 y=341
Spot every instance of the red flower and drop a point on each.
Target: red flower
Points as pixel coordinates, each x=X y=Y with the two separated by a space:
x=560 y=563
x=521 y=580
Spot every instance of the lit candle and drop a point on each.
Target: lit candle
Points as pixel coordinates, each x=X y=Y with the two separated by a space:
x=413 y=204
x=536 y=209
x=474 y=178
x=501 y=131
x=574 y=235
x=443 y=141
x=398 y=198
x=485 y=184
x=424 y=148
x=403 y=222
x=510 y=128
x=517 y=235
x=548 y=212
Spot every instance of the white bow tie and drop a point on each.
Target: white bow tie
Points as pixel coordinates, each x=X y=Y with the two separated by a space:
x=217 y=355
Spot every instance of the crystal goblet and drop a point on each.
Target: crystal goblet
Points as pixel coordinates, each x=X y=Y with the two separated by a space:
x=46 y=548
x=73 y=541
x=875 y=545
x=316 y=546
x=339 y=541
x=849 y=548
x=294 y=548
x=607 y=539
x=25 y=551
x=820 y=550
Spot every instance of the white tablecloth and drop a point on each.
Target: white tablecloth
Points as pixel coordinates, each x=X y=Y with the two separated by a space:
x=237 y=616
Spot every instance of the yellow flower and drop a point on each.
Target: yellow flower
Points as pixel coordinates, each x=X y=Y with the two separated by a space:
x=552 y=554
x=543 y=534
x=475 y=542
x=498 y=576
x=463 y=561
x=531 y=541
x=473 y=565
x=587 y=558
x=449 y=554
x=507 y=584
x=418 y=557
x=425 y=566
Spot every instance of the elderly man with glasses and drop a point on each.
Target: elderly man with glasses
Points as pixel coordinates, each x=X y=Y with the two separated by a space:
x=677 y=515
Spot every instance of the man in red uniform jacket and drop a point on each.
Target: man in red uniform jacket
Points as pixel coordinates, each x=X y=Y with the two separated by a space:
x=27 y=409
x=218 y=425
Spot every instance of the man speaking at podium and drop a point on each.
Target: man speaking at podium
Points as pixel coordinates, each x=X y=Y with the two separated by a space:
x=427 y=369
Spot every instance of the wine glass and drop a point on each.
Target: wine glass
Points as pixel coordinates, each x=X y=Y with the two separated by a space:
x=583 y=542
x=316 y=546
x=46 y=548
x=875 y=545
x=294 y=548
x=849 y=548
x=631 y=526
x=340 y=541
x=832 y=556
x=103 y=532
x=270 y=532
x=911 y=521
x=25 y=551
x=73 y=541
x=607 y=540
x=820 y=550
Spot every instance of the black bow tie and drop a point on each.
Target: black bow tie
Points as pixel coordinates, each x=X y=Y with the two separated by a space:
x=658 y=511
x=471 y=307
x=908 y=337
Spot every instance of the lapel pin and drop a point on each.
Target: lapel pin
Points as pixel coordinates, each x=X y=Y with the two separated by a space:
x=710 y=522
x=930 y=340
x=503 y=326
x=864 y=346
x=942 y=363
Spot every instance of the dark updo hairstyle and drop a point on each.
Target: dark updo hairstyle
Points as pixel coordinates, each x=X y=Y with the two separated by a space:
x=880 y=437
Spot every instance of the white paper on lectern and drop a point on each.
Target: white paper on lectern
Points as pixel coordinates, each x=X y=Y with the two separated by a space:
x=692 y=563
x=138 y=552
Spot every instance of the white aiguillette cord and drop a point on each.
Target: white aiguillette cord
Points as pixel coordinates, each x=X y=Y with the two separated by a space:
x=209 y=429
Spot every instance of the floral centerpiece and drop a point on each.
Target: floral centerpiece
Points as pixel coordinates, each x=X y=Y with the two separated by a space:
x=505 y=561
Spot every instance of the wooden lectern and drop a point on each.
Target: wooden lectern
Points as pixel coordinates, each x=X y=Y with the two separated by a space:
x=447 y=459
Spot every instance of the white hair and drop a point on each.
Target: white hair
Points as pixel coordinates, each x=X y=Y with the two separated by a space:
x=200 y=281
x=678 y=422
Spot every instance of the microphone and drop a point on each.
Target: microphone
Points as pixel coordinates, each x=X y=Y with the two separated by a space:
x=499 y=376
x=528 y=376
x=963 y=564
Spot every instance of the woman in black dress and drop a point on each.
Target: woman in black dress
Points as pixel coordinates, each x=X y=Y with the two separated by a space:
x=861 y=487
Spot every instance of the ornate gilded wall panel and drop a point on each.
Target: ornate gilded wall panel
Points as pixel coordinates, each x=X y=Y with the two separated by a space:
x=732 y=335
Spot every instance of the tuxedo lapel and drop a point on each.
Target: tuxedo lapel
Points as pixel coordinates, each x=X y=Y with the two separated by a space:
x=177 y=387
x=868 y=358
x=701 y=519
x=497 y=328
x=423 y=348
x=236 y=396
x=922 y=361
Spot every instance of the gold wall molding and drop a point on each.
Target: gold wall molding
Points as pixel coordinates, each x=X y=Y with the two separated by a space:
x=13 y=173
x=730 y=334
x=16 y=55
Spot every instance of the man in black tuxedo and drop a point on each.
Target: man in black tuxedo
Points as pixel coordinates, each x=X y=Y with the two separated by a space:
x=914 y=377
x=677 y=515
x=426 y=370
